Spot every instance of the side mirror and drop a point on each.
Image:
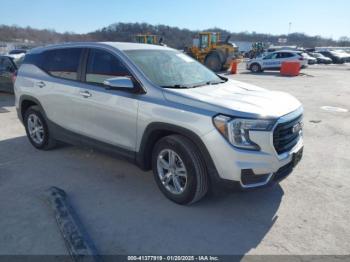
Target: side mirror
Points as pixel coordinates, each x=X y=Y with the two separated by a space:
x=119 y=83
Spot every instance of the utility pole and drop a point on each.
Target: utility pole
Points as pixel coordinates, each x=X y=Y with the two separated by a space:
x=290 y=28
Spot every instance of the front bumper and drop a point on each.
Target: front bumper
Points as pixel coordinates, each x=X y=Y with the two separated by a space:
x=264 y=166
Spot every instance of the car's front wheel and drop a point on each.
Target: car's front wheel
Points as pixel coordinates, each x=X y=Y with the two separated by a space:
x=37 y=130
x=255 y=68
x=179 y=170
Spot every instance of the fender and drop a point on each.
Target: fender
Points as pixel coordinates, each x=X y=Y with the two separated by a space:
x=157 y=130
x=29 y=99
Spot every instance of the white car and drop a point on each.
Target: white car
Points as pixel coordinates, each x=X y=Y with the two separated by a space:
x=162 y=110
x=274 y=60
x=310 y=60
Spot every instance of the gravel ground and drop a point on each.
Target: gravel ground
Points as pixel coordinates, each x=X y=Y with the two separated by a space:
x=125 y=213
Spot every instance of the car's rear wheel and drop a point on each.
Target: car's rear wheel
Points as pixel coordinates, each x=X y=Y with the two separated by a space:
x=179 y=170
x=255 y=68
x=37 y=130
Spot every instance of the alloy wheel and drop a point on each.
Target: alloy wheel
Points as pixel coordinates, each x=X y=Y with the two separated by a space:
x=172 y=171
x=36 y=129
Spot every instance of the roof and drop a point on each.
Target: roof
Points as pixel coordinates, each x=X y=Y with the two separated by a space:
x=287 y=51
x=123 y=46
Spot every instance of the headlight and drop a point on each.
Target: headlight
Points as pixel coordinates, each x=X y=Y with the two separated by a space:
x=236 y=130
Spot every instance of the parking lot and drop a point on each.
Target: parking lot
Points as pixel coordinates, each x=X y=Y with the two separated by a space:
x=125 y=213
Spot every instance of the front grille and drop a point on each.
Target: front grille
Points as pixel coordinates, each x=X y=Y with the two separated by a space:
x=284 y=139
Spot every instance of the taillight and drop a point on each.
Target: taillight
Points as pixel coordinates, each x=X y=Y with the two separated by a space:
x=14 y=76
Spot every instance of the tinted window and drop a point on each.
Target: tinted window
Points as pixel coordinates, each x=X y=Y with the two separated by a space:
x=271 y=56
x=287 y=55
x=34 y=59
x=62 y=63
x=103 y=65
x=6 y=65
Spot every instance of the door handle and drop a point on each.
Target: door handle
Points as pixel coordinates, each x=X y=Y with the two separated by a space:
x=85 y=94
x=40 y=84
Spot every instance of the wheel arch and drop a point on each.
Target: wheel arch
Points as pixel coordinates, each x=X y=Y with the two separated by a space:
x=158 y=130
x=25 y=102
x=255 y=63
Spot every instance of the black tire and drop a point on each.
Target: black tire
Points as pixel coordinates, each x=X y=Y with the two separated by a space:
x=255 y=68
x=47 y=141
x=197 y=178
x=221 y=55
x=213 y=62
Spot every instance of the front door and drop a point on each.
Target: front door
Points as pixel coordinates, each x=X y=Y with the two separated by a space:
x=107 y=115
x=271 y=61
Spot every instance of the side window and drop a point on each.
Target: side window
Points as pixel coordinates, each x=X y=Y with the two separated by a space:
x=280 y=55
x=271 y=56
x=204 y=41
x=2 y=64
x=63 y=63
x=287 y=55
x=102 y=65
x=6 y=65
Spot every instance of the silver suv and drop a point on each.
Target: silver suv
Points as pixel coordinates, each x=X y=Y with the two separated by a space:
x=162 y=110
x=274 y=61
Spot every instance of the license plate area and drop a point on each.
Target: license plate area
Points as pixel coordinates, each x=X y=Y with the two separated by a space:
x=297 y=157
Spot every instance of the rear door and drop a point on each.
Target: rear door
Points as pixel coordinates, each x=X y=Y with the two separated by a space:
x=285 y=57
x=107 y=115
x=288 y=56
x=59 y=89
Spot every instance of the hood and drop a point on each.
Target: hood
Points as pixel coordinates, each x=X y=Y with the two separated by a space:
x=340 y=54
x=236 y=98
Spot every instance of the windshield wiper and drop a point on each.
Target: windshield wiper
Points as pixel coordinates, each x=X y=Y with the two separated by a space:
x=215 y=82
x=177 y=86
x=196 y=85
x=208 y=83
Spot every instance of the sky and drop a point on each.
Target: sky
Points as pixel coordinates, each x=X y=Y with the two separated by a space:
x=313 y=17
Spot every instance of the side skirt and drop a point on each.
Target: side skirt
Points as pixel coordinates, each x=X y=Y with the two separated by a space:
x=61 y=134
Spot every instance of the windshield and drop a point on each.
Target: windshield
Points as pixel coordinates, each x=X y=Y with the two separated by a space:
x=168 y=68
x=335 y=53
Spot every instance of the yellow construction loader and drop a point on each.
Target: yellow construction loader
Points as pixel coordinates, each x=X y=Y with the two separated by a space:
x=210 y=50
x=149 y=39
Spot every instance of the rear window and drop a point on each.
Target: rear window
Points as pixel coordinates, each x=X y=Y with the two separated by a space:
x=62 y=63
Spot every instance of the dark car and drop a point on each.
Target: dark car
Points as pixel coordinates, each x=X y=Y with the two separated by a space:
x=321 y=59
x=336 y=58
x=8 y=71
